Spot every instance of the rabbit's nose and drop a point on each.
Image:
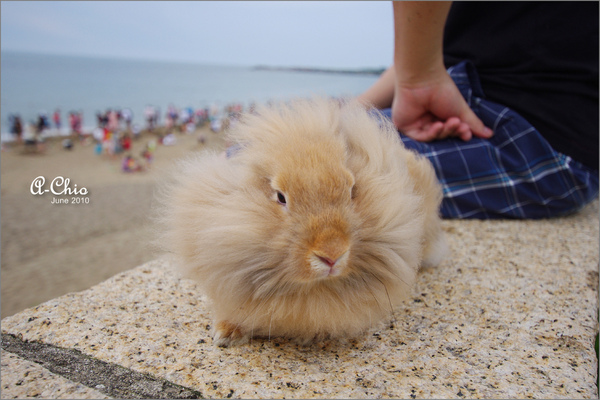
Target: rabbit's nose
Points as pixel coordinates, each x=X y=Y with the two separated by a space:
x=328 y=261
x=332 y=259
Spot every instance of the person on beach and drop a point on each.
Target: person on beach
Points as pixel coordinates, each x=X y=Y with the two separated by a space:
x=130 y=164
x=113 y=120
x=32 y=138
x=150 y=113
x=502 y=98
x=171 y=118
x=126 y=141
x=75 y=122
x=42 y=122
x=127 y=115
x=56 y=119
x=16 y=127
x=102 y=119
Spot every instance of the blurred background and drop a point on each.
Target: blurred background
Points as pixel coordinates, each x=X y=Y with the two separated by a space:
x=111 y=94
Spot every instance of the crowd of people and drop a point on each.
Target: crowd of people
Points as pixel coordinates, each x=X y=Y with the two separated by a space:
x=188 y=118
x=31 y=134
x=115 y=130
x=184 y=119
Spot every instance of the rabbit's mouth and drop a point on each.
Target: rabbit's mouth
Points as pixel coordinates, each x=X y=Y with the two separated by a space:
x=327 y=266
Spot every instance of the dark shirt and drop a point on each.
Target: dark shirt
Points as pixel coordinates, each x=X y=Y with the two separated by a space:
x=538 y=58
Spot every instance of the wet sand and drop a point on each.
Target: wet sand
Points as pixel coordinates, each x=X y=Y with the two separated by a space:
x=49 y=249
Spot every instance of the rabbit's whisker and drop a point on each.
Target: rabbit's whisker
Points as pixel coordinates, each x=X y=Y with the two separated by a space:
x=374 y=298
x=388 y=297
x=265 y=298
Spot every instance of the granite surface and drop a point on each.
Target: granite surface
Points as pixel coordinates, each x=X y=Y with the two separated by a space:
x=24 y=379
x=512 y=313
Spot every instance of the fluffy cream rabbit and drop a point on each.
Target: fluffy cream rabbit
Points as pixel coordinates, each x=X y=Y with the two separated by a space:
x=314 y=228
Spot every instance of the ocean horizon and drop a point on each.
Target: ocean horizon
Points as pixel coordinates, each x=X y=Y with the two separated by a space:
x=32 y=83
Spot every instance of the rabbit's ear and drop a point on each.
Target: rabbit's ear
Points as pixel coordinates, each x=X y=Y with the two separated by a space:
x=353 y=191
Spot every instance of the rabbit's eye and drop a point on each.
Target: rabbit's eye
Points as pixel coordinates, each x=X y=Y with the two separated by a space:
x=281 y=198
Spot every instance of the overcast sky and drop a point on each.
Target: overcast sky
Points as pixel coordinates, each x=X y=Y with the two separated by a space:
x=339 y=34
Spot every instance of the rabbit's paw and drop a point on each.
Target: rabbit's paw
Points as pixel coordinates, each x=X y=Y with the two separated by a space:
x=436 y=251
x=227 y=334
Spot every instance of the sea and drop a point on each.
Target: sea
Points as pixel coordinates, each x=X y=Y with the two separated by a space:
x=40 y=83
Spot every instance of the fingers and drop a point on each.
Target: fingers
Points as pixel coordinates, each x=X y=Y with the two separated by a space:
x=465 y=128
x=426 y=133
x=455 y=127
x=438 y=130
x=450 y=128
x=474 y=124
x=464 y=132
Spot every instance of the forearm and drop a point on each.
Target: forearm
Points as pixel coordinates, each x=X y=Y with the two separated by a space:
x=381 y=94
x=427 y=104
x=418 y=47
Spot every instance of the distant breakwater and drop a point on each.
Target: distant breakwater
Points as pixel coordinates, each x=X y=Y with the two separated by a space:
x=361 y=71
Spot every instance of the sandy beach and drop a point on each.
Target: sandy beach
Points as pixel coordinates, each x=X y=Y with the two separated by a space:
x=50 y=249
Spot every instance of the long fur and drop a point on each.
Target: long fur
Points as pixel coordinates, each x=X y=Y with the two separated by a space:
x=352 y=191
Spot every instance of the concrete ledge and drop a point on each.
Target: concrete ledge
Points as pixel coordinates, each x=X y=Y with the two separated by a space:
x=513 y=313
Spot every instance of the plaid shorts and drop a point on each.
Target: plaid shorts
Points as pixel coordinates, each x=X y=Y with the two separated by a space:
x=514 y=174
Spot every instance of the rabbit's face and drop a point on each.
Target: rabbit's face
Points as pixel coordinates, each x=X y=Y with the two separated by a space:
x=311 y=191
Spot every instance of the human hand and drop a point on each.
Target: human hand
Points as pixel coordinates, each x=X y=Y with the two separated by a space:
x=435 y=109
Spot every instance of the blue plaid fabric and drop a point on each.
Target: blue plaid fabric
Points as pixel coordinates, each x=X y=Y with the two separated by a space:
x=515 y=174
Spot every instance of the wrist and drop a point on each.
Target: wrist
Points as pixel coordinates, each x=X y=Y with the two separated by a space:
x=410 y=76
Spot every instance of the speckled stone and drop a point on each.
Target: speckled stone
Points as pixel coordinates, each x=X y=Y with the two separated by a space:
x=22 y=379
x=512 y=313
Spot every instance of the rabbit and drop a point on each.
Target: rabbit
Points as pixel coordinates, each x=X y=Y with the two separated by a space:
x=314 y=228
